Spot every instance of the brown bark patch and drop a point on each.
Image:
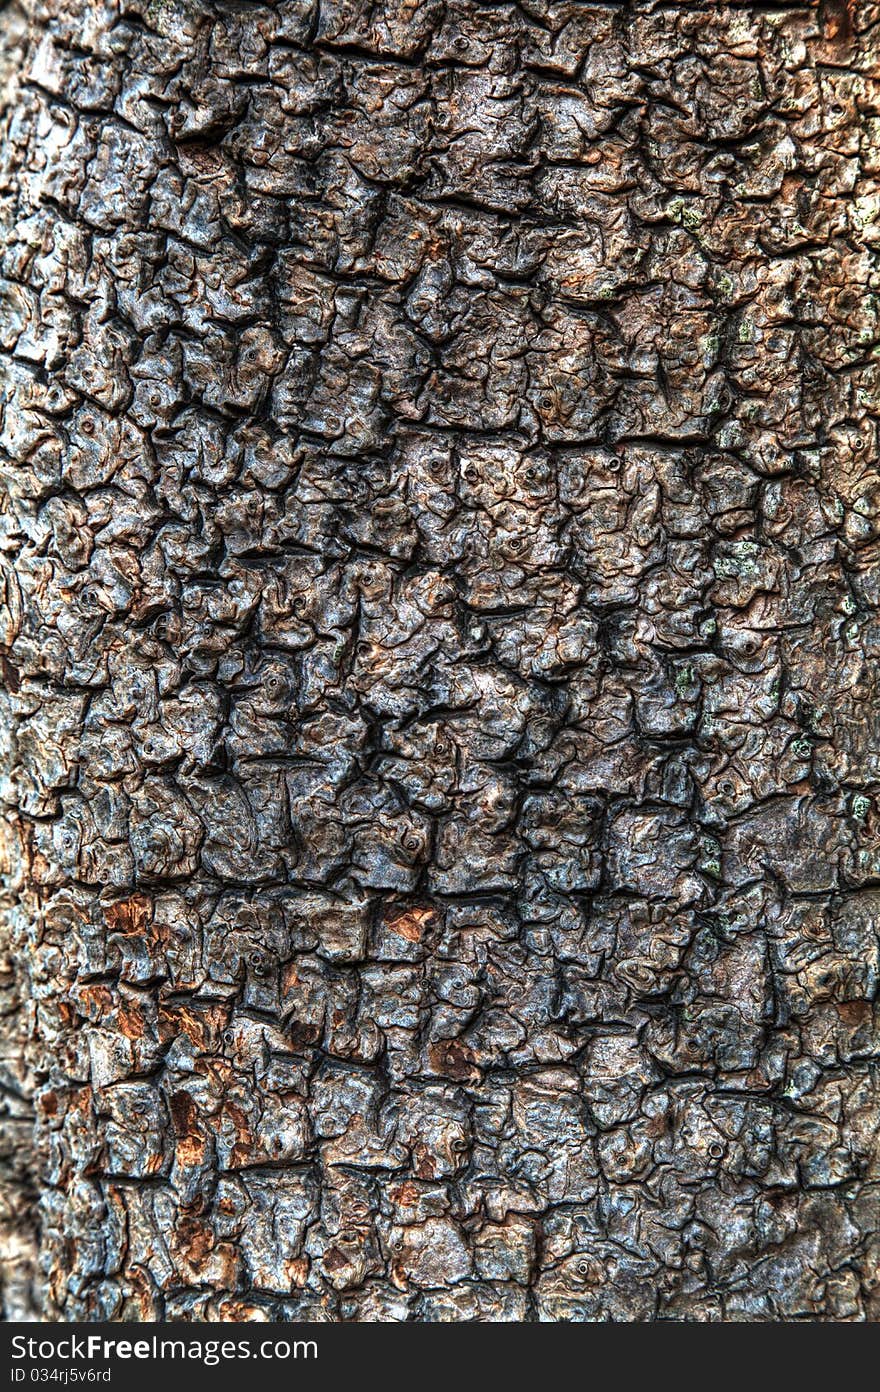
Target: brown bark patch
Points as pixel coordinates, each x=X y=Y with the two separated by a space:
x=297 y=1270
x=131 y=1022
x=412 y=924
x=201 y=1027
x=184 y=1113
x=334 y=1260
x=454 y=1059
x=129 y=916
x=838 y=23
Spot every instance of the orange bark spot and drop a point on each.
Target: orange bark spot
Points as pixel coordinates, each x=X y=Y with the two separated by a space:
x=191 y=1151
x=424 y=1165
x=412 y=924
x=131 y=1022
x=129 y=915
x=405 y=1194
x=840 y=20
x=297 y=1270
x=199 y=1026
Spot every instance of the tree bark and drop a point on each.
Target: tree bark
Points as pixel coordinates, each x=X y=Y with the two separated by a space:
x=440 y=736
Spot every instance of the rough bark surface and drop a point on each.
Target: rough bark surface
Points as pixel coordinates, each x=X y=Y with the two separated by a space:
x=440 y=519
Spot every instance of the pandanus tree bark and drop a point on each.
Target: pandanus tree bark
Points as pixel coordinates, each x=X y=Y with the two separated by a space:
x=440 y=500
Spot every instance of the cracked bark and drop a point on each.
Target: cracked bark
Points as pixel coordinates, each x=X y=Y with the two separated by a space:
x=439 y=499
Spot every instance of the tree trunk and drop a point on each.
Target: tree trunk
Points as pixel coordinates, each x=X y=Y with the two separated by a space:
x=440 y=733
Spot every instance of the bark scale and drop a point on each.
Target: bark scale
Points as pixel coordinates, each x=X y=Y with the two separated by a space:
x=439 y=716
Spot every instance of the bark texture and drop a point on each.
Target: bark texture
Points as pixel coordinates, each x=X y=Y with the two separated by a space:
x=440 y=723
